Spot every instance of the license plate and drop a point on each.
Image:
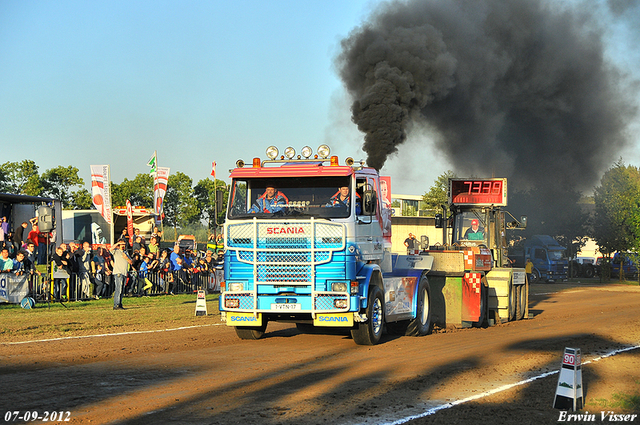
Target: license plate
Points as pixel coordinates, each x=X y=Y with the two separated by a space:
x=288 y=307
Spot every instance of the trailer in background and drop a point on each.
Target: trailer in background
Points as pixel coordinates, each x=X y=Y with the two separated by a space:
x=89 y=225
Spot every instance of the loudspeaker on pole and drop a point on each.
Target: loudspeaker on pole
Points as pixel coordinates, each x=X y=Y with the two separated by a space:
x=45 y=219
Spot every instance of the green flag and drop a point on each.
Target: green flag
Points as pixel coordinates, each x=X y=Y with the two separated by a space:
x=153 y=163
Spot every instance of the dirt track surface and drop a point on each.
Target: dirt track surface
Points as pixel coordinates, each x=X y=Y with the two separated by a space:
x=206 y=375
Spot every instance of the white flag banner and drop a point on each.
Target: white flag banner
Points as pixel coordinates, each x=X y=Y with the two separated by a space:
x=160 y=189
x=101 y=191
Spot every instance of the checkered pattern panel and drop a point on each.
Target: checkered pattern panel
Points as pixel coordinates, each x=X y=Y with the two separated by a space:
x=475 y=279
x=468 y=260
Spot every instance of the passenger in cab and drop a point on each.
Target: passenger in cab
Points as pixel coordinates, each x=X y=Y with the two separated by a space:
x=342 y=198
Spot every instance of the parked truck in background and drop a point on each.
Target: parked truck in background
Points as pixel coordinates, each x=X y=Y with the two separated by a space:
x=547 y=256
x=319 y=263
x=584 y=267
x=623 y=260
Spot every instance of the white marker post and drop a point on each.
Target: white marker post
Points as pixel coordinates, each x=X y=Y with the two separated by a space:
x=569 y=390
x=201 y=304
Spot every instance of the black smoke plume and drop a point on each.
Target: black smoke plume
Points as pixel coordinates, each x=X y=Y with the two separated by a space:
x=511 y=88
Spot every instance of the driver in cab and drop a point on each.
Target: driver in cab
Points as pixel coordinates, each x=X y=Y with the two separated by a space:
x=475 y=232
x=271 y=201
x=342 y=198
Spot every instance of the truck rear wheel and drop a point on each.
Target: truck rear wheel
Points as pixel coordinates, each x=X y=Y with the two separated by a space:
x=421 y=325
x=521 y=298
x=251 y=332
x=513 y=301
x=589 y=272
x=370 y=332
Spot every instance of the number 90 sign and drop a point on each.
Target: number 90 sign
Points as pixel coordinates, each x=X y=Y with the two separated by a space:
x=571 y=359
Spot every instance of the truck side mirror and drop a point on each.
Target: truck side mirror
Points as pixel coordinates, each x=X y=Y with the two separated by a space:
x=523 y=221
x=424 y=242
x=439 y=221
x=369 y=202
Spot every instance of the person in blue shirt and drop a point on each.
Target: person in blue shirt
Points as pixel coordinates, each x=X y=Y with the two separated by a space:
x=271 y=201
x=342 y=198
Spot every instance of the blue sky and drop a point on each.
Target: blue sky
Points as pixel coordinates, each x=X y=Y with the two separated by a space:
x=90 y=82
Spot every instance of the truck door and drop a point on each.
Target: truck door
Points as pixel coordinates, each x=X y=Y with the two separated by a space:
x=540 y=260
x=368 y=228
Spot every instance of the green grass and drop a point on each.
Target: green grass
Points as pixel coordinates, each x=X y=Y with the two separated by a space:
x=92 y=317
x=621 y=402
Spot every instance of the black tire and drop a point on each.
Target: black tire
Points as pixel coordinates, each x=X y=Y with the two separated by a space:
x=251 y=332
x=521 y=298
x=513 y=301
x=575 y=270
x=370 y=332
x=535 y=276
x=421 y=325
x=589 y=272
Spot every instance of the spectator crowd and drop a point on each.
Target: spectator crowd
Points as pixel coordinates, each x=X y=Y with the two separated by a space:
x=81 y=272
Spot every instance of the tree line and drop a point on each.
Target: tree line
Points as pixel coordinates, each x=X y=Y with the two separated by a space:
x=185 y=204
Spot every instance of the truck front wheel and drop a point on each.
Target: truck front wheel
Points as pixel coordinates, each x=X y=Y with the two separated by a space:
x=370 y=332
x=421 y=325
x=251 y=332
x=535 y=276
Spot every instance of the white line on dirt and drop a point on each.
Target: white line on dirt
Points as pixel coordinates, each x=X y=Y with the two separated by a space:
x=499 y=389
x=115 y=334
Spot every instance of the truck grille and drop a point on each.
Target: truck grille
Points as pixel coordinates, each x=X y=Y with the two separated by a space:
x=285 y=252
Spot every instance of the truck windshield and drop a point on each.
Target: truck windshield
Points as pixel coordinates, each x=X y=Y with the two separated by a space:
x=555 y=255
x=470 y=229
x=290 y=197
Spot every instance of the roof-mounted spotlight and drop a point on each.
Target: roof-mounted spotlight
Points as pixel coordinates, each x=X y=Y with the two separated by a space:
x=272 y=152
x=289 y=152
x=306 y=152
x=239 y=163
x=324 y=151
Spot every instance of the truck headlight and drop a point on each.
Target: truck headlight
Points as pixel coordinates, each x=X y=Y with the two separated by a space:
x=339 y=287
x=340 y=303
x=236 y=286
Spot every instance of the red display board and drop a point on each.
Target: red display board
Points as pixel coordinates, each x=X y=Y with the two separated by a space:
x=478 y=192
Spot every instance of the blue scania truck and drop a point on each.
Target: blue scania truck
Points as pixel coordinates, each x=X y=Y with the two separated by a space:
x=307 y=241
